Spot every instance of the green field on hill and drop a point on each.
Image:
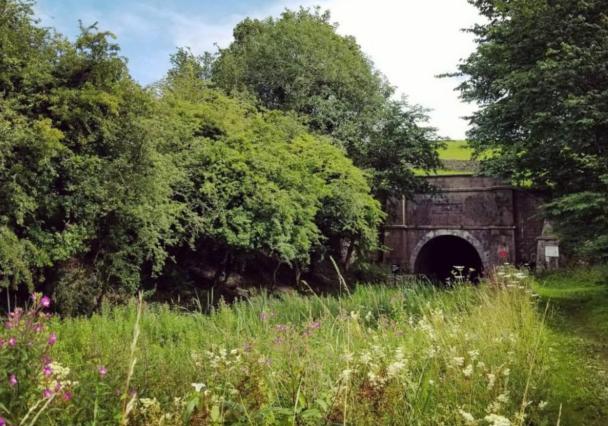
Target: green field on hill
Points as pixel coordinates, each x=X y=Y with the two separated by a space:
x=457 y=158
x=456 y=150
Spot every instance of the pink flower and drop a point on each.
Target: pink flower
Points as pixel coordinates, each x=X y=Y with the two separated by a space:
x=12 y=342
x=67 y=396
x=47 y=393
x=37 y=327
x=52 y=339
x=2 y=421
x=45 y=302
x=282 y=328
x=12 y=380
x=47 y=370
x=102 y=371
x=314 y=325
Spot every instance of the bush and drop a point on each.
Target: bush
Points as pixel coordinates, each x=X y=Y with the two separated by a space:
x=77 y=291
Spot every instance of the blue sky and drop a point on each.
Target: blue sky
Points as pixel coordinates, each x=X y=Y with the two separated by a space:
x=148 y=31
x=411 y=41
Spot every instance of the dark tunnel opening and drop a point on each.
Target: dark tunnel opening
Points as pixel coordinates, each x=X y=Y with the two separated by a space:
x=438 y=257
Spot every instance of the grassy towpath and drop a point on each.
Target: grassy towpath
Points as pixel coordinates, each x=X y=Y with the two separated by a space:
x=579 y=322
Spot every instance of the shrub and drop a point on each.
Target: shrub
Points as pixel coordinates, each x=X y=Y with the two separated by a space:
x=33 y=380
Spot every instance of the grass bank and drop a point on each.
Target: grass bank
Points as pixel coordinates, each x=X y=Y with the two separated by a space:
x=578 y=335
x=383 y=355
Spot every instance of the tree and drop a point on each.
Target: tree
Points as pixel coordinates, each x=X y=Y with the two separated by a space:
x=299 y=63
x=82 y=182
x=539 y=75
x=258 y=183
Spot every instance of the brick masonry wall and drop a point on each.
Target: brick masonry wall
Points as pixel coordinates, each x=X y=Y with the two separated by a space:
x=493 y=217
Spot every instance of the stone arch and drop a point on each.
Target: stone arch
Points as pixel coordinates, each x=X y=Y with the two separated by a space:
x=465 y=235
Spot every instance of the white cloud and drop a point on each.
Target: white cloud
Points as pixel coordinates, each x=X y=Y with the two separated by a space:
x=410 y=41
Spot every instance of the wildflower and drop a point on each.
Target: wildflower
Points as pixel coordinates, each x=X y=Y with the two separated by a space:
x=52 y=339
x=491 y=380
x=468 y=417
x=315 y=325
x=497 y=420
x=282 y=328
x=474 y=354
x=45 y=302
x=47 y=393
x=506 y=372
x=198 y=386
x=366 y=358
x=542 y=405
x=2 y=421
x=264 y=316
x=67 y=396
x=147 y=403
x=468 y=371
x=458 y=361
x=102 y=371
x=12 y=342
x=47 y=370
x=394 y=369
x=346 y=374
x=59 y=370
x=348 y=356
x=12 y=380
x=373 y=378
x=37 y=327
x=503 y=397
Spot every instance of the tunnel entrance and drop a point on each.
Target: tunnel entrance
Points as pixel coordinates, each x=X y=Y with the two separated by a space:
x=439 y=256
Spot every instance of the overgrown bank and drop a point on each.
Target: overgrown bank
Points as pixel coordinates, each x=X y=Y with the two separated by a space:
x=385 y=354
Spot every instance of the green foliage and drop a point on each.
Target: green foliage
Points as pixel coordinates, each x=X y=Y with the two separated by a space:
x=258 y=182
x=582 y=220
x=579 y=321
x=101 y=179
x=80 y=173
x=299 y=63
x=383 y=354
x=539 y=75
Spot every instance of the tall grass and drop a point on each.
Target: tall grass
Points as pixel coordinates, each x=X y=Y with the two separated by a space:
x=382 y=355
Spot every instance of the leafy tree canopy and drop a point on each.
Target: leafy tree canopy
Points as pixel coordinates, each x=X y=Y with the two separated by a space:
x=299 y=63
x=81 y=179
x=539 y=75
x=258 y=182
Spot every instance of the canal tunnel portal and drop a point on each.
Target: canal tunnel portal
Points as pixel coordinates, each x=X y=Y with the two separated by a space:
x=471 y=221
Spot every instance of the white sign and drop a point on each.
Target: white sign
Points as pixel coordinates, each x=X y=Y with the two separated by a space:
x=551 y=251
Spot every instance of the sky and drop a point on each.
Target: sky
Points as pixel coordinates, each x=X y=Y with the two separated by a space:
x=410 y=41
